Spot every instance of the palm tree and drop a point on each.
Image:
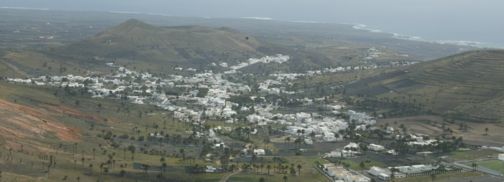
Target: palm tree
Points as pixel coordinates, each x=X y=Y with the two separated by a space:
x=474 y=166
x=268 y=167
x=122 y=173
x=91 y=168
x=132 y=149
x=392 y=174
x=146 y=168
x=74 y=150
x=124 y=153
x=182 y=152
x=298 y=142
x=287 y=140
x=486 y=131
x=262 y=179
x=299 y=169
x=164 y=166
x=83 y=160
x=285 y=178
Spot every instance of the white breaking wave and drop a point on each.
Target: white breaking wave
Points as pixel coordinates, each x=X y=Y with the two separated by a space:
x=462 y=43
x=24 y=8
x=406 y=37
x=306 y=21
x=138 y=13
x=448 y=42
x=258 y=18
x=364 y=27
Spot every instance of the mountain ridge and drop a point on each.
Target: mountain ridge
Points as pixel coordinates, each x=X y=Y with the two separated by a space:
x=463 y=85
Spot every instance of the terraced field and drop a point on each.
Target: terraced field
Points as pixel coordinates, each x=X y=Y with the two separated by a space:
x=465 y=86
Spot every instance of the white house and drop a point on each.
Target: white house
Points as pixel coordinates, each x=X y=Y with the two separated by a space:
x=210 y=169
x=259 y=152
x=501 y=157
x=380 y=173
x=375 y=147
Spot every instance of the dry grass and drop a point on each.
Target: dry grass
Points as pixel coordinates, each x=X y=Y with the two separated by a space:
x=431 y=125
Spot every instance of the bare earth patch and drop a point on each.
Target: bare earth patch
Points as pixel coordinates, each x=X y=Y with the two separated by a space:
x=20 y=122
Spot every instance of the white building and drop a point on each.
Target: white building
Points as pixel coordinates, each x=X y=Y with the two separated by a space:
x=380 y=173
x=259 y=152
x=375 y=147
x=501 y=157
x=210 y=169
x=342 y=174
x=415 y=169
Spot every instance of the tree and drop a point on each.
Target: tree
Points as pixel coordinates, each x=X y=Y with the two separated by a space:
x=362 y=165
x=146 y=168
x=474 y=166
x=164 y=166
x=287 y=140
x=433 y=177
x=122 y=173
x=299 y=169
x=486 y=131
x=182 y=152
x=74 y=150
x=268 y=167
x=292 y=170
x=285 y=178
x=262 y=179
x=91 y=168
x=132 y=149
x=392 y=174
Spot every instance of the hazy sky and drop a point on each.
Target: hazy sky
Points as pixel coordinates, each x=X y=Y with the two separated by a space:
x=479 y=20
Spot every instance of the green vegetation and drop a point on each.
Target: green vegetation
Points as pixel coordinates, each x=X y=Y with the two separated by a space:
x=103 y=147
x=112 y=143
x=63 y=134
x=361 y=165
x=146 y=47
x=467 y=86
x=473 y=154
x=496 y=165
x=307 y=172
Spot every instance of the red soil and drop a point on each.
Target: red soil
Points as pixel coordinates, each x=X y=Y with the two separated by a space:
x=19 y=122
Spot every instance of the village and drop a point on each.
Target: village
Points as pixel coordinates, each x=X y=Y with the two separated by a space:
x=197 y=96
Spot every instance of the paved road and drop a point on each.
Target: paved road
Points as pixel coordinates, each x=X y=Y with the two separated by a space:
x=479 y=168
x=329 y=178
x=226 y=178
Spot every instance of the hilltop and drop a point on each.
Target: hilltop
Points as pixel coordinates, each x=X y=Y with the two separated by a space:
x=136 y=41
x=197 y=44
x=465 y=86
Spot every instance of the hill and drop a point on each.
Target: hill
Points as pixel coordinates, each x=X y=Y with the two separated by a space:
x=135 y=41
x=464 y=86
x=146 y=47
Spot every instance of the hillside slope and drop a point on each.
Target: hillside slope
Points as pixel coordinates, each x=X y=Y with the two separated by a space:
x=467 y=86
x=136 y=41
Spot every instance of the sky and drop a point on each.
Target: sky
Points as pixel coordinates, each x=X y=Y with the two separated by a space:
x=474 y=20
